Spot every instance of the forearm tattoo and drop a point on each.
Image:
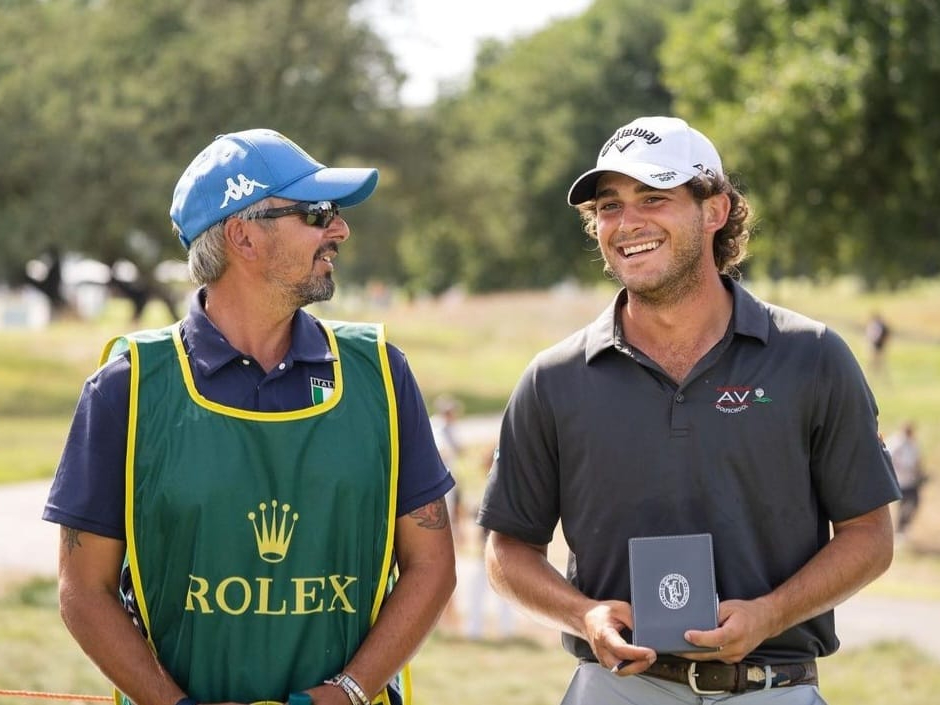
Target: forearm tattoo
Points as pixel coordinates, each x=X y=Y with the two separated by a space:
x=71 y=539
x=432 y=515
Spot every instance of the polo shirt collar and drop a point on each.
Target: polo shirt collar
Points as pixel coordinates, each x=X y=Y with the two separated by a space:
x=750 y=317
x=602 y=333
x=210 y=351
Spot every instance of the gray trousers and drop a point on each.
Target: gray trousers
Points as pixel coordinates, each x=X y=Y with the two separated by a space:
x=592 y=684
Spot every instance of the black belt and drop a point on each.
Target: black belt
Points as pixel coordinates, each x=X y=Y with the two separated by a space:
x=713 y=677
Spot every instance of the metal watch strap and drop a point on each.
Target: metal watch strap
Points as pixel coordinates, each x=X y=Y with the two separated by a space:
x=351 y=687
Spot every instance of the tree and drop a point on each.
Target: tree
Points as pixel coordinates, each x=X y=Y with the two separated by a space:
x=105 y=103
x=828 y=109
x=493 y=214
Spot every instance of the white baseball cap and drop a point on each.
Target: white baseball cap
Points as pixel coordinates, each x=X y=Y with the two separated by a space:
x=663 y=152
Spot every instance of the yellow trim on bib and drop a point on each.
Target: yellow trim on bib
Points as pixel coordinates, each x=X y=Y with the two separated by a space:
x=224 y=410
x=130 y=536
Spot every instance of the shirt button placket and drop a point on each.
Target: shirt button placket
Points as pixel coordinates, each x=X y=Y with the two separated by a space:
x=679 y=427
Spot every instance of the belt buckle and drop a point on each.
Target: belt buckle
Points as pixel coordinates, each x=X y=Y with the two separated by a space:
x=693 y=684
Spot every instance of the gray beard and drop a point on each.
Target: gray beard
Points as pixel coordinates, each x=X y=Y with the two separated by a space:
x=318 y=289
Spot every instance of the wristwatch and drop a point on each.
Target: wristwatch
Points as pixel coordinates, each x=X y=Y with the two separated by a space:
x=351 y=687
x=301 y=698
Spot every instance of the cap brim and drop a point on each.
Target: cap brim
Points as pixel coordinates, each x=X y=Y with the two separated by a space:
x=585 y=186
x=344 y=186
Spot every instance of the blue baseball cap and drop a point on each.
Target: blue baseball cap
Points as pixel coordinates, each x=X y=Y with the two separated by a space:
x=241 y=168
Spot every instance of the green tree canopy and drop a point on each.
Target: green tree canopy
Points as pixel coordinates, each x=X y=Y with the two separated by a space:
x=824 y=107
x=105 y=103
x=494 y=213
x=828 y=111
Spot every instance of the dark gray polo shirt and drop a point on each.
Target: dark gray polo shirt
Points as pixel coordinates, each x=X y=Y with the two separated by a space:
x=772 y=436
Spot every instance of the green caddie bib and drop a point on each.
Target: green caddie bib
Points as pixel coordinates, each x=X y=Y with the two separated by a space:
x=260 y=543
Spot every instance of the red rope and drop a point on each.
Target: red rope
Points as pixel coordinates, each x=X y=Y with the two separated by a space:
x=55 y=696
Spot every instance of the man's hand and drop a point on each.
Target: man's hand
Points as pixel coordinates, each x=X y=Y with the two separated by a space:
x=602 y=626
x=860 y=550
x=743 y=625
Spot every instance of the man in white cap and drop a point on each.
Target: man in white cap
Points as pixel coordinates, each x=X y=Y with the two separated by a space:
x=688 y=407
x=251 y=500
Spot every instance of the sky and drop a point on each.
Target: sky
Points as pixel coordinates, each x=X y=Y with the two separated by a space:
x=436 y=40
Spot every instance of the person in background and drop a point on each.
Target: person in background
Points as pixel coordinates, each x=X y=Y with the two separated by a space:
x=689 y=406
x=877 y=333
x=909 y=468
x=480 y=596
x=447 y=409
x=251 y=502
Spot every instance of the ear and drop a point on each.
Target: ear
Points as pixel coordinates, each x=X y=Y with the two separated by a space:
x=242 y=238
x=715 y=212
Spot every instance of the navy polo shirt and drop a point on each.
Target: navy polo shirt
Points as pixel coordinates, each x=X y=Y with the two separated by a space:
x=88 y=490
x=772 y=436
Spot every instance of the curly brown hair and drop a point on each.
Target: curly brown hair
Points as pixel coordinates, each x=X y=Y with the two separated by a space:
x=730 y=245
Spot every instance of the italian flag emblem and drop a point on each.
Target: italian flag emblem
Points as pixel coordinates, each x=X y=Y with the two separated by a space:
x=321 y=389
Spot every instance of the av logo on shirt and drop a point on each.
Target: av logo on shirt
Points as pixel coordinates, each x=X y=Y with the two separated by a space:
x=321 y=389
x=734 y=400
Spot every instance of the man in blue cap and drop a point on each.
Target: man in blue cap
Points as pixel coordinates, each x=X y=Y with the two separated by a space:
x=251 y=501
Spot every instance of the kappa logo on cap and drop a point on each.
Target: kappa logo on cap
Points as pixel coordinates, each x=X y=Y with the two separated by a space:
x=244 y=187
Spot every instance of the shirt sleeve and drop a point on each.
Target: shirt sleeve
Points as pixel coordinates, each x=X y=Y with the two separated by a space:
x=87 y=491
x=422 y=476
x=850 y=465
x=521 y=498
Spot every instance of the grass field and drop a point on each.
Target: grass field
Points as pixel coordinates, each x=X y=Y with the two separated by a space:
x=38 y=655
x=475 y=348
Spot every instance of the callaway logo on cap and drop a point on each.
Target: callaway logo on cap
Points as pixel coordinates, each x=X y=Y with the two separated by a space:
x=242 y=168
x=663 y=152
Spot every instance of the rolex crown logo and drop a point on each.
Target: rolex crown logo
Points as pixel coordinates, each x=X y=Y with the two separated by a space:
x=273 y=534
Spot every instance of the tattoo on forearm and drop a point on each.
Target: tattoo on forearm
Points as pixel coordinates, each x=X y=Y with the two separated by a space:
x=432 y=515
x=71 y=539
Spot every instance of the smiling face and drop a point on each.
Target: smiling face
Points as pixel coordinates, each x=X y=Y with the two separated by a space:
x=299 y=258
x=656 y=242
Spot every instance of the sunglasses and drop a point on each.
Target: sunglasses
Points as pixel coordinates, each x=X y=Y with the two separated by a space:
x=319 y=214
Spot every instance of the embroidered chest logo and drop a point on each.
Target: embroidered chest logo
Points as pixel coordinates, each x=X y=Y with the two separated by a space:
x=734 y=400
x=674 y=591
x=273 y=533
x=321 y=389
x=237 y=191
